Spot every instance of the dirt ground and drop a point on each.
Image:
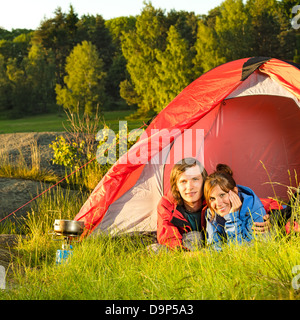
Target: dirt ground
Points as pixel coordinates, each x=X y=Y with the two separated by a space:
x=16 y=192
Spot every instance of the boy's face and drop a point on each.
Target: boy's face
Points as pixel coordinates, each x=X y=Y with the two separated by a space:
x=189 y=185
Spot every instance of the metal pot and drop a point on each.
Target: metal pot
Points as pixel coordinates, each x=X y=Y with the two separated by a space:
x=68 y=227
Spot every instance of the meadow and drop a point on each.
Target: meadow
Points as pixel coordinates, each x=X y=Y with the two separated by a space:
x=56 y=122
x=122 y=268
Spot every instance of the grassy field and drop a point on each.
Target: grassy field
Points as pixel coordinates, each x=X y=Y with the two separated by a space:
x=106 y=268
x=122 y=269
x=56 y=122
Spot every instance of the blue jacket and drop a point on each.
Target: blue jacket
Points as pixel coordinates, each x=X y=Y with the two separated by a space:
x=235 y=227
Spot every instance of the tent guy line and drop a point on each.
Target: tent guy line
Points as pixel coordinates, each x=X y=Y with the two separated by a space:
x=47 y=190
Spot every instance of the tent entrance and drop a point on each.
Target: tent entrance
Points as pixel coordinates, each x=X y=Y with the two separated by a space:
x=257 y=136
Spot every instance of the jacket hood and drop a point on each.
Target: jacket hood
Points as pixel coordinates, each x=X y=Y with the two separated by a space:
x=249 y=198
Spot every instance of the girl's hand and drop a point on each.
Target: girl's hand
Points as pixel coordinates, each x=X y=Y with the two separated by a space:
x=235 y=201
x=262 y=227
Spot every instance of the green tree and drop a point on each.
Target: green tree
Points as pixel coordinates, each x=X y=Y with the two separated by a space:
x=208 y=53
x=232 y=29
x=6 y=49
x=139 y=48
x=11 y=35
x=93 y=29
x=118 y=26
x=174 y=69
x=58 y=36
x=291 y=36
x=85 y=80
x=128 y=92
x=147 y=50
x=21 y=46
x=17 y=47
x=185 y=23
x=265 y=27
x=4 y=34
x=5 y=87
x=71 y=21
x=117 y=72
x=20 y=89
x=40 y=71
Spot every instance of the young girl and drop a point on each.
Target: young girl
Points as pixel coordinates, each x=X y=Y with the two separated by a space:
x=232 y=209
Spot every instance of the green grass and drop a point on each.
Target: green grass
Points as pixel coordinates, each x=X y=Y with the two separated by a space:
x=40 y=123
x=112 y=120
x=122 y=268
x=114 y=269
x=54 y=122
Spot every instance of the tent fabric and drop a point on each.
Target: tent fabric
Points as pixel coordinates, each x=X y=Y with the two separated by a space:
x=251 y=65
x=260 y=84
x=244 y=113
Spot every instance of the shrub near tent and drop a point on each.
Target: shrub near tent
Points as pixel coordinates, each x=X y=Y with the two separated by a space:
x=246 y=113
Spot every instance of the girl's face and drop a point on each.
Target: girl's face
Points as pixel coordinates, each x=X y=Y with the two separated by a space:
x=189 y=185
x=219 y=201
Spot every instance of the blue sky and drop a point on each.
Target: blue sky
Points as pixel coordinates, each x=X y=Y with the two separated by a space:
x=28 y=14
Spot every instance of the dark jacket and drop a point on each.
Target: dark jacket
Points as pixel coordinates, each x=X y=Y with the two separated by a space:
x=171 y=223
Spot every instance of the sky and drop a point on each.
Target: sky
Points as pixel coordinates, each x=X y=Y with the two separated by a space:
x=28 y=14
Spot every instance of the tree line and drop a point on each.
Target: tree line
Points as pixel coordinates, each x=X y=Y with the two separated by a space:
x=141 y=62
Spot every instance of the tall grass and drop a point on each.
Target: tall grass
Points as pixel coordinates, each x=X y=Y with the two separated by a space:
x=18 y=167
x=119 y=268
x=122 y=268
x=88 y=177
x=114 y=269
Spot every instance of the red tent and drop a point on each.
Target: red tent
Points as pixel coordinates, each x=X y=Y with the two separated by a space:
x=244 y=113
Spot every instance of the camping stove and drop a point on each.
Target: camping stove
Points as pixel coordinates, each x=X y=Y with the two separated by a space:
x=67 y=231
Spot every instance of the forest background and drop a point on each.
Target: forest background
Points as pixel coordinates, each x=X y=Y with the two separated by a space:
x=138 y=62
